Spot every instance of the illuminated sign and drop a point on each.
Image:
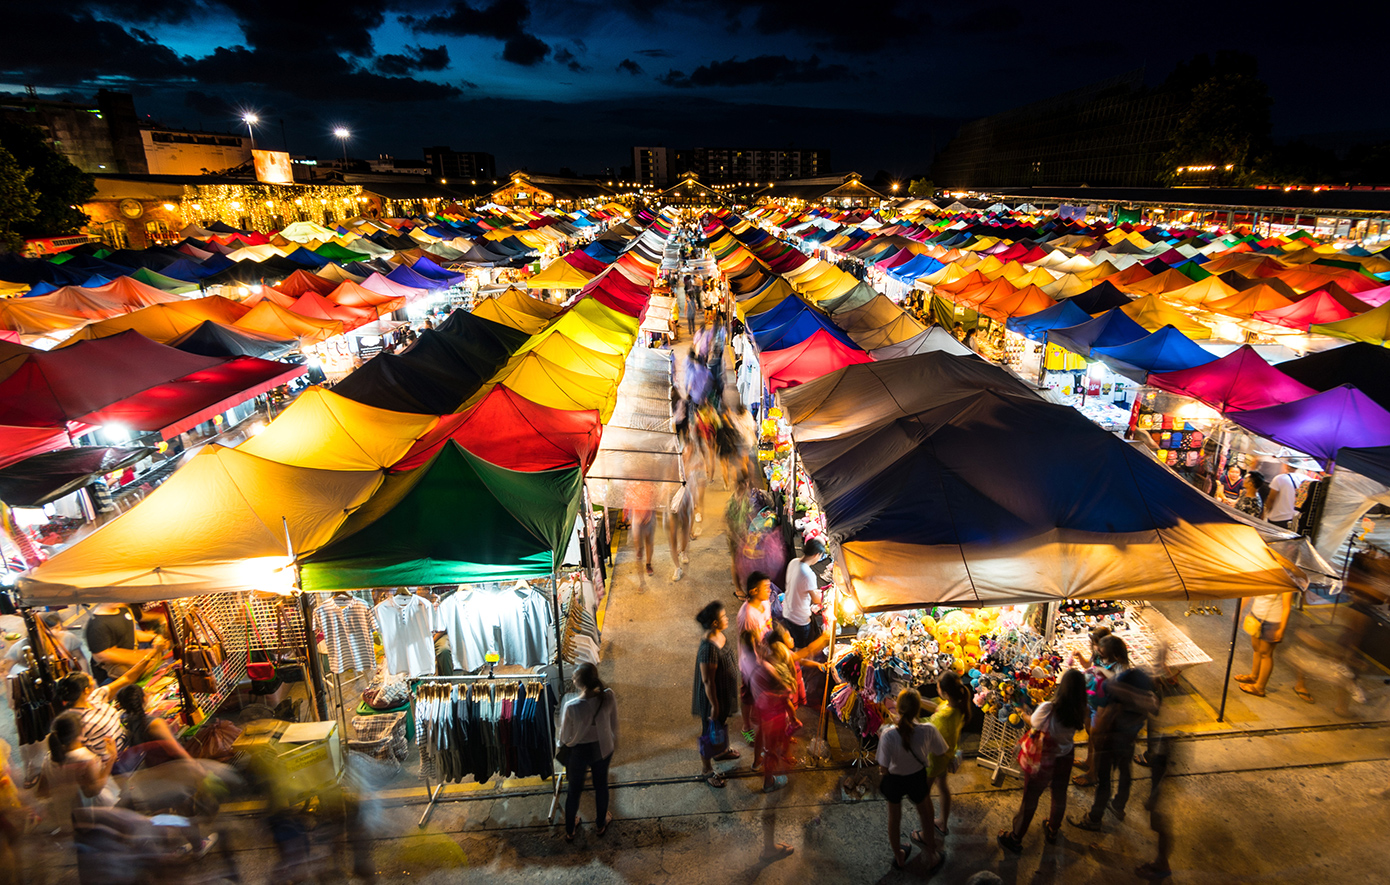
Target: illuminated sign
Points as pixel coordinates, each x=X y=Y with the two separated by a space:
x=273 y=167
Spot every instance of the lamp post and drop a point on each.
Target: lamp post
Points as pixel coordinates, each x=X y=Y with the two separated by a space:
x=251 y=120
x=342 y=133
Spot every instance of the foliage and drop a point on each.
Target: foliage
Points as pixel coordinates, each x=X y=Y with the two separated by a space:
x=58 y=186
x=921 y=187
x=1225 y=124
x=18 y=203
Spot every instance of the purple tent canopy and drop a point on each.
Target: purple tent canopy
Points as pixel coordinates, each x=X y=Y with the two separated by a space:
x=1321 y=424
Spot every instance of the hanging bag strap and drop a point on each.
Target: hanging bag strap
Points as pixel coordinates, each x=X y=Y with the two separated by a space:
x=209 y=629
x=253 y=629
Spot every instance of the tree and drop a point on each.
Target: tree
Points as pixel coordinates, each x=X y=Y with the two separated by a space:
x=1224 y=124
x=18 y=203
x=921 y=187
x=59 y=187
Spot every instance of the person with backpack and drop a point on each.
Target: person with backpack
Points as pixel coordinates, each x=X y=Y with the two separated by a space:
x=1129 y=700
x=903 y=750
x=1055 y=724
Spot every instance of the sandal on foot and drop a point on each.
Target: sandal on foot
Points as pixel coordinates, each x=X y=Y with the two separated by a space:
x=1083 y=780
x=727 y=756
x=715 y=779
x=778 y=852
x=1085 y=823
x=1007 y=842
x=1244 y=680
x=907 y=853
x=940 y=862
x=1050 y=833
x=1304 y=695
x=942 y=828
x=1250 y=689
x=607 y=819
x=920 y=838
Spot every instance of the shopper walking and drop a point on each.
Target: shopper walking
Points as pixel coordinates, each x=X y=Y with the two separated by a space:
x=1266 y=621
x=589 y=728
x=948 y=719
x=903 y=750
x=1057 y=721
x=1129 y=699
x=716 y=690
x=679 y=521
x=777 y=692
x=1097 y=670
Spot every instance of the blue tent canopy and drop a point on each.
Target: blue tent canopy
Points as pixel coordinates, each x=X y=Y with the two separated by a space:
x=796 y=330
x=407 y=277
x=1166 y=350
x=916 y=267
x=1107 y=330
x=1035 y=326
x=778 y=315
x=428 y=269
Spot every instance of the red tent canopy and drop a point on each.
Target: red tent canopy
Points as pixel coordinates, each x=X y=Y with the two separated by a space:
x=312 y=304
x=302 y=281
x=349 y=294
x=271 y=294
x=1319 y=307
x=584 y=261
x=1239 y=380
x=386 y=286
x=513 y=432
x=818 y=355
x=18 y=443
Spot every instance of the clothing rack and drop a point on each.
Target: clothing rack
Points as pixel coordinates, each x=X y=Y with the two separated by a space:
x=534 y=675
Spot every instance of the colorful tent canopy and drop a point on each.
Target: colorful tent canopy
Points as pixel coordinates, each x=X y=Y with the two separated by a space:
x=1153 y=313
x=1110 y=328
x=454 y=520
x=933 y=339
x=1321 y=424
x=1364 y=366
x=163 y=322
x=506 y=429
x=1373 y=326
x=271 y=319
x=46 y=477
x=214 y=339
x=328 y=431
x=1100 y=298
x=559 y=274
x=1317 y=308
x=936 y=507
x=18 y=443
x=1035 y=326
x=811 y=358
x=221 y=523
x=1166 y=350
x=1239 y=380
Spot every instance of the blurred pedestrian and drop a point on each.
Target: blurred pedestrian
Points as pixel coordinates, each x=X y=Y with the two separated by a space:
x=679 y=520
x=1252 y=494
x=1057 y=721
x=589 y=727
x=777 y=692
x=1097 y=670
x=754 y=619
x=101 y=720
x=73 y=776
x=1129 y=700
x=1266 y=621
x=642 y=520
x=716 y=690
x=903 y=750
x=948 y=719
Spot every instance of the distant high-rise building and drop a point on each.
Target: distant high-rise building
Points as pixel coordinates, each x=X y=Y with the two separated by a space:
x=660 y=166
x=460 y=166
x=100 y=136
x=651 y=166
x=1110 y=133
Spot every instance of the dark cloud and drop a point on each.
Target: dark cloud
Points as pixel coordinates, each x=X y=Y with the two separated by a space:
x=284 y=28
x=629 y=66
x=147 y=11
x=504 y=20
x=761 y=71
x=91 y=49
x=993 y=19
x=655 y=53
x=469 y=84
x=870 y=26
x=568 y=59
x=416 y=58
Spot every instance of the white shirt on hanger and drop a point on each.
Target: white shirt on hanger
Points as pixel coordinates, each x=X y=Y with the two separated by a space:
x=406 y=624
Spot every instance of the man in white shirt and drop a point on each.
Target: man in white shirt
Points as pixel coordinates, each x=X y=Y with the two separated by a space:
x=1279 y=503
x=803 y=590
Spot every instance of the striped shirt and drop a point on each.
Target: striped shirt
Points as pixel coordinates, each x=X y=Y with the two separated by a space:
x=346 y=623
x=100 y=720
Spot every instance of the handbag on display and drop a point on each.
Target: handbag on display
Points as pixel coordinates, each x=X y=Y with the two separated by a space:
x=261 y=673
x=203 y=648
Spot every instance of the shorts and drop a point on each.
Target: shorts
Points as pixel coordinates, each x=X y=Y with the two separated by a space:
x=1268 y=630
x=914 y=786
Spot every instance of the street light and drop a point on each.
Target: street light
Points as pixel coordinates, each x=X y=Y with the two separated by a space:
x=341 y=132
x=250 y=120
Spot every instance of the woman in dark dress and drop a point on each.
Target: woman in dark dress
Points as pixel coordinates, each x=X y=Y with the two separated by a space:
x=715 y=694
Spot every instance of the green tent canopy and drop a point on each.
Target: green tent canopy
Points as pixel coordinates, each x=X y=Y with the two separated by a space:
x=160 y=281
x=454 y=520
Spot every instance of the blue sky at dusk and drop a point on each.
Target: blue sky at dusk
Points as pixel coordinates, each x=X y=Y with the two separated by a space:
x=543 y=84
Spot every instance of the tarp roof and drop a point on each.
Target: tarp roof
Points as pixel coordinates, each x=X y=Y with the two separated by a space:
x=454 y=520
x=1373 y=326
x=1239 y=380
x=1321 y=424
x=42 y=478
x=935 y=338
x=1035 y=326
x=1364 y=366
x=936 y=507
x=1110 y=328
x=1153 y=314
x=271 y=319
x=810 y=358
x=328 y=431
x=221 y=523
x=1166 y=350
x=216 y=340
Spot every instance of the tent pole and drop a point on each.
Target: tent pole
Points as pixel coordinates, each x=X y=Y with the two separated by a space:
x=1230 y=659
x=559 y=637
x=311 y=657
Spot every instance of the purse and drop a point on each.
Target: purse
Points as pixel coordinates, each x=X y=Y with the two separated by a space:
x=1034 y=753
x=203 y=648
x=261 y=672
x=714 y=739
x=565 y=751
x=1252 y=625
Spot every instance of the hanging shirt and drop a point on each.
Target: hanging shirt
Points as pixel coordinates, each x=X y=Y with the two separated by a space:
x=406 y=624
x=346 y=623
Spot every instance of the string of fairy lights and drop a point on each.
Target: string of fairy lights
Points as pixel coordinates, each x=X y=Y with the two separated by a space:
x=268 y=206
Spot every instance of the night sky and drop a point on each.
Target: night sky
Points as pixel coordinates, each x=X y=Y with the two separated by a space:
x=544 y=84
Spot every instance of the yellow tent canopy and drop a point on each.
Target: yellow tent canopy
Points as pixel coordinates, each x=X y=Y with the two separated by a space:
x=553 y=386
x=223 y=522
x=559 y=274
x=565 y=351
x=162 y=322
x=775 y=293
x=326 y=431
x=1153 y=314
x=275 y=320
